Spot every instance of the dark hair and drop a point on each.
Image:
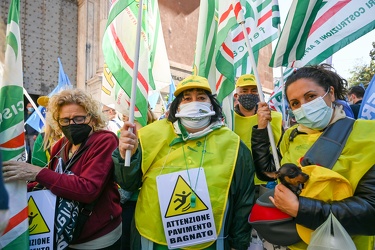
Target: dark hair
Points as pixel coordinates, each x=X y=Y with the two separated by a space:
x=358 y=91
x=215 y=104
x=324 y=75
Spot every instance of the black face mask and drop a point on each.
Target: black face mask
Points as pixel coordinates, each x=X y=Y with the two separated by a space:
x=248 y=101
x=76 y=133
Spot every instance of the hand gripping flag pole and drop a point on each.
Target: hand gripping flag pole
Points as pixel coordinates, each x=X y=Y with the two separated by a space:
x=241 y=20
x=128 y=152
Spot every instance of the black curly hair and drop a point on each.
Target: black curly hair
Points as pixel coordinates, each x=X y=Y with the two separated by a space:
x=324 y=75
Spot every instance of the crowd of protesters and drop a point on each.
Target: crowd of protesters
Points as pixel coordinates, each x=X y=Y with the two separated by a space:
x=191 y=181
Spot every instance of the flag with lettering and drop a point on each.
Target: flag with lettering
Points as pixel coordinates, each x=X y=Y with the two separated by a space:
x=315 y=29
x=367 y=109
x=119 y=43
x=12 y=141
x=221 y=53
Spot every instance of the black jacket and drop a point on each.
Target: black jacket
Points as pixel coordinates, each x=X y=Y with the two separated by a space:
x=356 y=213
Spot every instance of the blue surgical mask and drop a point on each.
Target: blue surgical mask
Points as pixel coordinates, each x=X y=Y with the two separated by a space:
x=30 y=109
x=315 y=114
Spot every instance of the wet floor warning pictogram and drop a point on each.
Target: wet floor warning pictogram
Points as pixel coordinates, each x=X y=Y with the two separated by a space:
x=181 y=200
x=37 y=224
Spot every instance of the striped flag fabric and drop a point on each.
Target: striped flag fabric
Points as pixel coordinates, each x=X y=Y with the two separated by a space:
x=275 y=100
x=119 y=43
x=315 y=29
x=12 y=141
x=221 y=53
x=367 y=109
x=275 y=14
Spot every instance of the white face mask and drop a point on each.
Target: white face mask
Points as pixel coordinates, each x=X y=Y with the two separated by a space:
x=195 y=114
x=315 y=114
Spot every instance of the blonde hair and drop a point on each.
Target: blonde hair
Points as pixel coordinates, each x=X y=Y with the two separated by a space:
x=51 y=136
x=74 y=96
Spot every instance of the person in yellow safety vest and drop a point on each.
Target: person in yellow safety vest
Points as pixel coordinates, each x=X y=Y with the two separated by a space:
x=245 y=116
x=196 y=175
x=311 y=92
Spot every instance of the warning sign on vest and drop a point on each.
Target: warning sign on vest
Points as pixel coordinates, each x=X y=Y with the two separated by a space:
x=185 y=208
x=41 y=207
x=181 y=200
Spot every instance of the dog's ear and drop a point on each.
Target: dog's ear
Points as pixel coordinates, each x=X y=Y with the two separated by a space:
x=273 y=175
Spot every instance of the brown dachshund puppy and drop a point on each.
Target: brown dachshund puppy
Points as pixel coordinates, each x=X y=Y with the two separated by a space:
x=291 y=176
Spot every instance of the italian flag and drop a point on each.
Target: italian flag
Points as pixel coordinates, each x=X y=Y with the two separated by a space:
x=16 y=234
x=119 y=43
x=315 y=29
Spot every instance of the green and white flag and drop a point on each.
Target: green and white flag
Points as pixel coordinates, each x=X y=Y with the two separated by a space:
x=275 y=101
x=119 y=43
x=221 y=54
x=315 y=29
x=12 y=141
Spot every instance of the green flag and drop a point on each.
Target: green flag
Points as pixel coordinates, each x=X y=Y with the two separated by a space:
x=12 y=142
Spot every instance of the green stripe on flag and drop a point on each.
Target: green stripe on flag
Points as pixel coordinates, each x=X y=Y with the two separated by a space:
x=122 y=76
x=14 y=12
x=12 y=41
x=263 y=5
x=19 y=243
x=116 y=9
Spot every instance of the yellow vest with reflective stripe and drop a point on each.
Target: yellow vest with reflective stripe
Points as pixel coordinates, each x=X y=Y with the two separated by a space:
x=355 y=160
x=219 y=162
x=243 y=126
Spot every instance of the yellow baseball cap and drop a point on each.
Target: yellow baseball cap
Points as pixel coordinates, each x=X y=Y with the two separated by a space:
x=43 y=100
x=192 y=82
x=246 y=80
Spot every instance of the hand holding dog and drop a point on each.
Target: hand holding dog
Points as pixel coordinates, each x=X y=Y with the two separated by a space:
x=285 y=200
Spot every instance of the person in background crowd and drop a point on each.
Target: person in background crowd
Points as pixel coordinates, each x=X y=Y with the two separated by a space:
x=114 y=123
x=346 y=108
x=194 y=142
x=355 y=96
x=42 y=146
x=81 y=171
x=312 y=92
x=30 y=132
x=245 y=116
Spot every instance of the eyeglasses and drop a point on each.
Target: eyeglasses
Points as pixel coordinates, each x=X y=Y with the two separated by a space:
x=76 y=119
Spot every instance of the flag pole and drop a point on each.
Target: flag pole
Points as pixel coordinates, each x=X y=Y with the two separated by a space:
x=134 y=79
x=241 y=21
x=282 y=85
x=34 y=106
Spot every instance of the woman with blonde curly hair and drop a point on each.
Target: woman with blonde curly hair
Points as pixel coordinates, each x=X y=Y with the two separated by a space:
x=80 y=173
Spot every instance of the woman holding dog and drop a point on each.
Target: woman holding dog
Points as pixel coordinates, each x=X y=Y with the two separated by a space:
x=196 y=175
x=311 y=93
